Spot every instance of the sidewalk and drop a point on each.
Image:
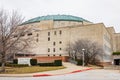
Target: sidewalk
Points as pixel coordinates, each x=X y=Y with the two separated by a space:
x=70 y=68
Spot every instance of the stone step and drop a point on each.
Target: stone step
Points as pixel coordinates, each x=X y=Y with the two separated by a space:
x=112 y=67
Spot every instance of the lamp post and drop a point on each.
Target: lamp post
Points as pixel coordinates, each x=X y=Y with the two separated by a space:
x=83 y=58
x=74 y=54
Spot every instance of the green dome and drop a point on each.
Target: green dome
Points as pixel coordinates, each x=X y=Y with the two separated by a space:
x=56 y=18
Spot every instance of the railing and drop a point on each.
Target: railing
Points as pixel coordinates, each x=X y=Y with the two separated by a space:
x=72 y=61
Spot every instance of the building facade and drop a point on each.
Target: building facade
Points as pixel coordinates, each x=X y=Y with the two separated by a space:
x=53 y=33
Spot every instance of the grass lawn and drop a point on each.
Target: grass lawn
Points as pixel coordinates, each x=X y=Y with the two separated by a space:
x=31 y=69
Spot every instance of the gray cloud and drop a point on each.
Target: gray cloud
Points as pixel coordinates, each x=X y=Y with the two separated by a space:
x=106 y=11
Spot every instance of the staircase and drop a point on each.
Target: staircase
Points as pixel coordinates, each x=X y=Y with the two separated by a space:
x=114 y=67
x=72 y=61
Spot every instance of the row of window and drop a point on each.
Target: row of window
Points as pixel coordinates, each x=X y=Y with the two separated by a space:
x=54 y=43
x=54 y=50
x=22 y=34
x=29 y=34
x=55 y=55
x=55 y=33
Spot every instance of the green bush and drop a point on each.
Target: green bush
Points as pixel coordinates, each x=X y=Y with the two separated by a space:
x=33 y=62
x=46 y=64
x=116 y=53
x=58 y=63
x=17 y=65
x=55 y=63
x=15 y=61
x=0 y=64
x=79 y=62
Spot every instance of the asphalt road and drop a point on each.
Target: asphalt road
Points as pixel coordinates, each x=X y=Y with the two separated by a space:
x=86 y=75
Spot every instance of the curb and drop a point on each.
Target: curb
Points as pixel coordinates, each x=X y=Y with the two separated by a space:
x=41 y=75
x=76 y=71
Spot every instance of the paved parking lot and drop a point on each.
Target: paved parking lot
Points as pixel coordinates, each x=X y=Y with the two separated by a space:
x=98 y=74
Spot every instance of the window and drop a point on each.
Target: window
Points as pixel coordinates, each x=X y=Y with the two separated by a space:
x=22 y=34
x=29 y=34
x=60 y=32
x=54 y=43
x=54 y=32
x=60 y=48
x=48 y=38
x=15 y=36
x=48 y=49
x=60 y=42
x=37 y=40
x=53 y=49
x=37 y=35
x=48 y=33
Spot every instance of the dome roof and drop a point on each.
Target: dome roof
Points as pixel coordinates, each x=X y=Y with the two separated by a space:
x=56 y=18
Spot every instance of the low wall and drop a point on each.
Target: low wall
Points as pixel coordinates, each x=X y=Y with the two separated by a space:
x=105 y=63
x=50 y=58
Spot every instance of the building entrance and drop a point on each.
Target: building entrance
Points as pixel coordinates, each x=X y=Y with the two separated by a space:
x=116 y=61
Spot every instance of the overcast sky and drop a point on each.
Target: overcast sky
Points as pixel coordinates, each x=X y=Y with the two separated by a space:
x=96 y=11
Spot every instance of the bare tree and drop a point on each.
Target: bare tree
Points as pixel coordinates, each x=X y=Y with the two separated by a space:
x=10 y=35
x=92 y=53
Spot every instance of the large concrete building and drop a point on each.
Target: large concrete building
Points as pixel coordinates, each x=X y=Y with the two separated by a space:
x=52 y=33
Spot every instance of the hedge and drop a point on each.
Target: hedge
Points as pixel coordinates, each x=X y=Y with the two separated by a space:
x=116 y=53
x=55 y=63
x=58 y=62
x=79 y=62
x=0 y=64
x=46 y=64
x=33 y=62
x=17 y=65
x=15 y=61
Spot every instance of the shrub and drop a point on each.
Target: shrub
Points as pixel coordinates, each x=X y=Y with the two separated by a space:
x=46 y=64
x=33 y=62
x=58 y=63
x=79 y=62
x=116 y=53
x=0 y=64
x=55 y=63
x=15 y=61
x=17 y=65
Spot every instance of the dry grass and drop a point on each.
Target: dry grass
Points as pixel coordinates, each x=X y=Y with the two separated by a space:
x=32 y=69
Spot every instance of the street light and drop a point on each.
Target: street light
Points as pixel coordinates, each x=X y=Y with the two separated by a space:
x=74 y=54
x=83 y=56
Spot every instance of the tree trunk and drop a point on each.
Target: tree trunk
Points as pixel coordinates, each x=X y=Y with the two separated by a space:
x=3 y=63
